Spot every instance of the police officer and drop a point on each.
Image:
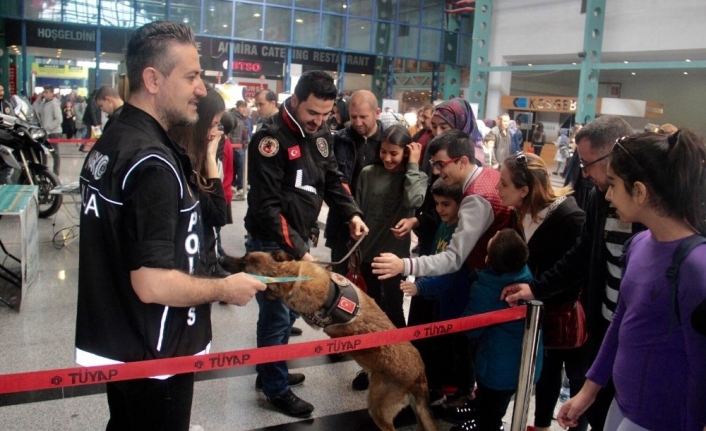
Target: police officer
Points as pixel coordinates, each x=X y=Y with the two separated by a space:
x=141 y=235
x=293 y=170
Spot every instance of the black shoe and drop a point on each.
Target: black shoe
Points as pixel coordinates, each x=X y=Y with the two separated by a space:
x=470 y=425
x=460 y=415
x=336 y=357
x=294 y=379
x=361 y=381
x=291 y=405
x=295 y=331
x=436 y=397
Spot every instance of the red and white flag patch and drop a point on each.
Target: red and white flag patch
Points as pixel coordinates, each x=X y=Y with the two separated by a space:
x=346 y=305
x=294 y=152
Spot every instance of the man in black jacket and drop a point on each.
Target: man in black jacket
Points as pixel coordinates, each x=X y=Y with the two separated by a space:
x=293 y=171
x=355 y=147
x=596 y=255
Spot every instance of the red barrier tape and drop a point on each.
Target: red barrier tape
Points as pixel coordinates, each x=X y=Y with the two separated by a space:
x=78 y=376
x=71 y=141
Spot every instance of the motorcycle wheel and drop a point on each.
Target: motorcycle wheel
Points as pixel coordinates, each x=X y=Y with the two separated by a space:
x=48 y=204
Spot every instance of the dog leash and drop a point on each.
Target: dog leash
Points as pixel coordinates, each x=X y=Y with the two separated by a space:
x=270 y=280
x=355 y=246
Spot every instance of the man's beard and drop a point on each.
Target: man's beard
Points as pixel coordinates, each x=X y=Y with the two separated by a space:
x=172 y=117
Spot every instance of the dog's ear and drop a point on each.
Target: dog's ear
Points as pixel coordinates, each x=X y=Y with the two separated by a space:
x=280 y=256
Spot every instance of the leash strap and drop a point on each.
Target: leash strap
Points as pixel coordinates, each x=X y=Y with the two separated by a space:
x=270 y=280
x=354 y=248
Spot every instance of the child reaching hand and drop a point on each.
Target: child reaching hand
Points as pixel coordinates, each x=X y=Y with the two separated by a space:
x=449 y=362
x=497 y=362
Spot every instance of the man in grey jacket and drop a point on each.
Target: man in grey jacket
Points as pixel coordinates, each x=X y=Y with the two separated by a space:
x=50 y=119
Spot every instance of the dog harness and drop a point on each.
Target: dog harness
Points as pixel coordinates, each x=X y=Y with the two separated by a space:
x=341 y=306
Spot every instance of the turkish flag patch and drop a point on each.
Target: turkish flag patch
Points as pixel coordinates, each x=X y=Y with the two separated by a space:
x=346 y=305
x=294 y=152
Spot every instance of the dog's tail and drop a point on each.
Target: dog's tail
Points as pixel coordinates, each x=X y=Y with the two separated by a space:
x=420 y=404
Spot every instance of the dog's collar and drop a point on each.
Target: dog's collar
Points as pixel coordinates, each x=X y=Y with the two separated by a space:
x=341 y=306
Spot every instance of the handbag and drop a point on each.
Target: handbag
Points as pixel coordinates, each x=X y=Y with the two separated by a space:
x=564 y=326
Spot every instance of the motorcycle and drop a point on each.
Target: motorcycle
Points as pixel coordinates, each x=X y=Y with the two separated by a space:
x=24 y=148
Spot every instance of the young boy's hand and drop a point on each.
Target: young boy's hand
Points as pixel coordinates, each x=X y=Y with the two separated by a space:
x=408 y=288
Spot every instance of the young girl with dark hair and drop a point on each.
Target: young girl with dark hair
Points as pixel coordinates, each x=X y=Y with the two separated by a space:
x=651 y=350
x=200 y=140
x=388 y=191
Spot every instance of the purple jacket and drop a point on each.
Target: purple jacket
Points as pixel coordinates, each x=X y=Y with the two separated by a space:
x=658 y=365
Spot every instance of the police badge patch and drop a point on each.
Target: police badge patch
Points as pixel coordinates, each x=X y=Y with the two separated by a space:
x=268 y=146
x=340 y=280
x=322 y=146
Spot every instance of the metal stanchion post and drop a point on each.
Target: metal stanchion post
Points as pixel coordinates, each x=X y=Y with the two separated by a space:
x=530 y=344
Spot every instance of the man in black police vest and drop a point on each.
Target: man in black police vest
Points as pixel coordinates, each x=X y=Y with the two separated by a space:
x=138 y=294
x=292 y=171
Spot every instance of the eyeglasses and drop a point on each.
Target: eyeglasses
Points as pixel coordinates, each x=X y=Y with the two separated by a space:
x=440 y=164
x=584 y=166
x=618 y=144
x=521 y=160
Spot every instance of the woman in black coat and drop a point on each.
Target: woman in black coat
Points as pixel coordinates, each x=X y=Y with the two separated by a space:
x=551 y=222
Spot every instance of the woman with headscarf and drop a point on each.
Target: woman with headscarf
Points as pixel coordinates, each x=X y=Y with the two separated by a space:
x=457 y=114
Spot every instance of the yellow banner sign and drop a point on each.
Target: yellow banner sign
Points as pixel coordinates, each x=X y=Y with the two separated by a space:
x=58 y=71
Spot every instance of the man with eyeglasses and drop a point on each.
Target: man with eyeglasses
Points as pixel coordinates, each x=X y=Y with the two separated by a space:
x=595 y=259
x=481 y=214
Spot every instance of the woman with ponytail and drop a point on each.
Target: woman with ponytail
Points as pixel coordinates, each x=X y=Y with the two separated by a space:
x=653 y=353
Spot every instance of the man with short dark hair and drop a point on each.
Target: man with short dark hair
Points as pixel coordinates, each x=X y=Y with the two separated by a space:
x=109 y=101
x=293 y=170
x=141 y=291
x=50 y=118
x=480 y=215
x=595 y=259
x=503 y=138
x=239 y=138
x=266 y=104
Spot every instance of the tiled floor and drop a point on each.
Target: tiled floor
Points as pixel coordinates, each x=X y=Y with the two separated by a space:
x=41 y=337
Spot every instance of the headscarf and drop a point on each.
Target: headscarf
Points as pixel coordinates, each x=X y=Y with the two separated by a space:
x=458 y=113
x=512 y=126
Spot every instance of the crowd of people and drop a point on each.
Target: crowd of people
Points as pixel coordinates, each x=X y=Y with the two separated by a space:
x=491 y=230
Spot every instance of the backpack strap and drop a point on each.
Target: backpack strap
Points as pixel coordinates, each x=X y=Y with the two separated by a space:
x=681 y=253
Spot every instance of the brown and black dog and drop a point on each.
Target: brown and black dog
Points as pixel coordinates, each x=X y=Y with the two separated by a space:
x=396 y=371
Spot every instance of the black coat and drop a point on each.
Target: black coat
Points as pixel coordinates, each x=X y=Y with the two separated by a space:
x=552 y=239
